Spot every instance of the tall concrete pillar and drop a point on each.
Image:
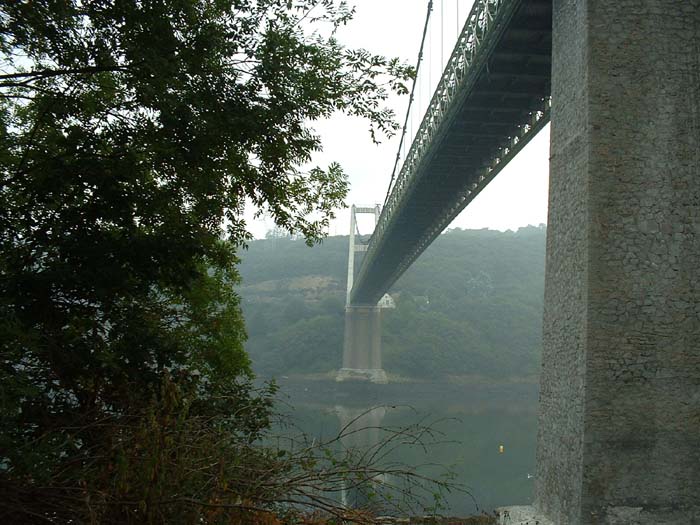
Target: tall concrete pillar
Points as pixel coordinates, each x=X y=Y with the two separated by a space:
x=362 y=345
x=362 y=350
x=619 y=424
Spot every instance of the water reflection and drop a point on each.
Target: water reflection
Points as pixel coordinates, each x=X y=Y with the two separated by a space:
x=360 y=429
x=475 y=423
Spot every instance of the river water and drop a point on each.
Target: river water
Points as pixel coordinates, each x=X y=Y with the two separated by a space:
x=485 y=435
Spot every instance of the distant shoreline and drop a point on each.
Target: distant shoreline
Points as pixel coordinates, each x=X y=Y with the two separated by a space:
x=322 y=390
x=462 y=380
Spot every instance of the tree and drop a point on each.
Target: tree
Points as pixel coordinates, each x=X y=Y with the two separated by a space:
x=129 y=132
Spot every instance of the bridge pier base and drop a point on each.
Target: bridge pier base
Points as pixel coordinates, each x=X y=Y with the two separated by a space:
x=362 y=346
x=619 y=424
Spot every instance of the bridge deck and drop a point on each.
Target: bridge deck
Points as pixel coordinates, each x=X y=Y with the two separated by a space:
x=481 y=116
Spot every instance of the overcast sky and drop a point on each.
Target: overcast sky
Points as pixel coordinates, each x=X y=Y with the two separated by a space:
x=517 y=196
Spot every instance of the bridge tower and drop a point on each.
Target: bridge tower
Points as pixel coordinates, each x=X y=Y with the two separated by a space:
x=362 y=343
x=619 y=425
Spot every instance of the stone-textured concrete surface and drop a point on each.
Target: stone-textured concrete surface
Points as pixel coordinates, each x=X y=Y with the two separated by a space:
x=619 y=426
x=373 y=375
x=521 y=515
x=560 y=429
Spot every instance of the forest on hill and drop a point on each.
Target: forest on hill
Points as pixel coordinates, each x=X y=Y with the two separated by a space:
x=470 y=306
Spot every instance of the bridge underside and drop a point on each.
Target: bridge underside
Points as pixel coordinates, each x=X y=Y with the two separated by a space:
x=503 y=102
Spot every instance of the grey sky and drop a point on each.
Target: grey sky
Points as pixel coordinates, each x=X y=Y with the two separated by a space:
x=518 y=195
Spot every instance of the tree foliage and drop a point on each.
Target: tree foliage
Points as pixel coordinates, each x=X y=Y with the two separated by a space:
x=129 y=132
x=186 y=459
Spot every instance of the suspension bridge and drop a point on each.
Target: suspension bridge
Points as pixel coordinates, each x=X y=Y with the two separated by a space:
x=619 y=424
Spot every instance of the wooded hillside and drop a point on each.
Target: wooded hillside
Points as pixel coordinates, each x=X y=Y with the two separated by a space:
x=470 y=305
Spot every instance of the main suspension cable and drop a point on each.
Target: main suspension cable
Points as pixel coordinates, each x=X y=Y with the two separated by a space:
x=410 y=100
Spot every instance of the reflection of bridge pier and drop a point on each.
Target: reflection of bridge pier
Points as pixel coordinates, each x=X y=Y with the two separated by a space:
x=361 y=432
x=362 y=426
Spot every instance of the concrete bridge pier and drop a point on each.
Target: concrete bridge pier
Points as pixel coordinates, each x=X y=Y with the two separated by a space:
x=362 y=345
x=619 y=425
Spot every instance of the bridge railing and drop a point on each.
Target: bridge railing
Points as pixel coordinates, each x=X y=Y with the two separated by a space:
x=458 y=74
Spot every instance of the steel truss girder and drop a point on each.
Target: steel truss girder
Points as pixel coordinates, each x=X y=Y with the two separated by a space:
x=485 y=24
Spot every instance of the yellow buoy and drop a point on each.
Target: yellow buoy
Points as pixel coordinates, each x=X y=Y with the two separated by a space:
x=501 y=449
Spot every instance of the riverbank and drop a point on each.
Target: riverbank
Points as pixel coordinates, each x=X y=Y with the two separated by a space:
x=484 y=519
x=472 y=380
x=310 y=390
